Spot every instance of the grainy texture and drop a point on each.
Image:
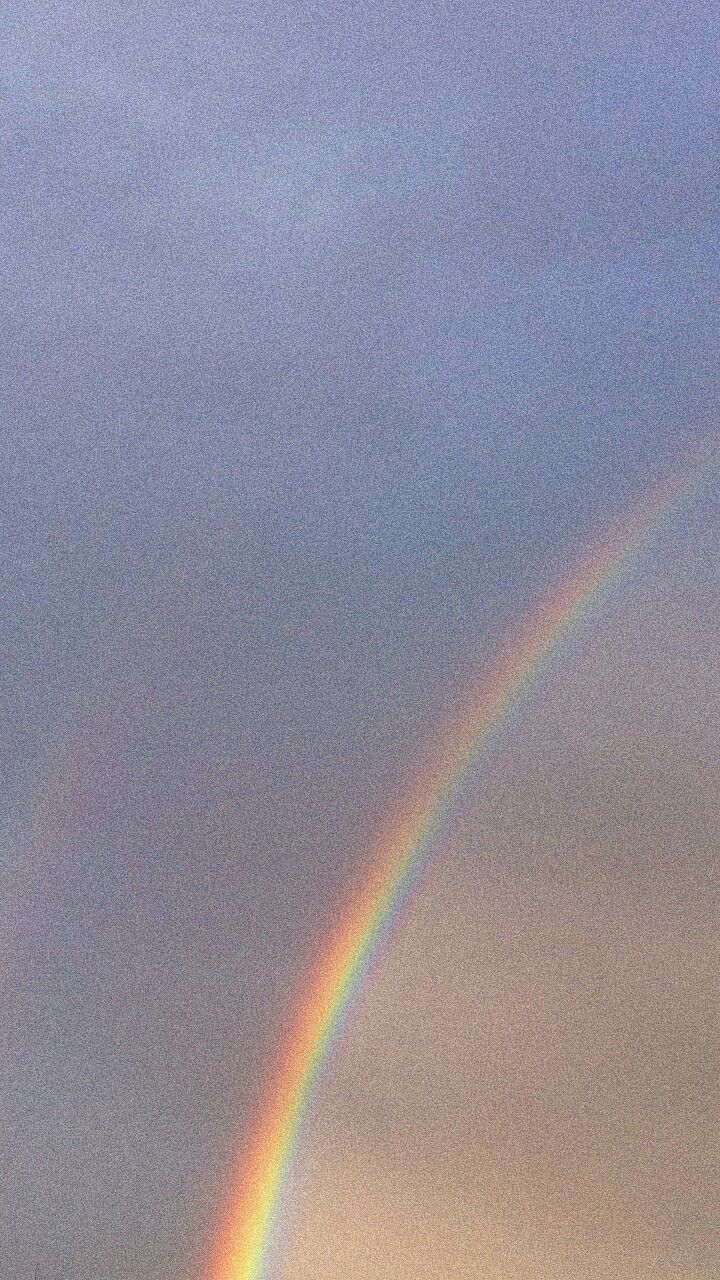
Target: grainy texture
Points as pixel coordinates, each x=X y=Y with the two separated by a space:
x=331 y=334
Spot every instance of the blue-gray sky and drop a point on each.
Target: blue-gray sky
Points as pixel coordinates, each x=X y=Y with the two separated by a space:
x=330 y=333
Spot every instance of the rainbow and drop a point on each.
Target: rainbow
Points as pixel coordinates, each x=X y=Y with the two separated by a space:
x=249 y=1224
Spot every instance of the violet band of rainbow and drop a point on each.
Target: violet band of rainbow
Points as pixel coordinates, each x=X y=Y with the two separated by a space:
x=248 y=1226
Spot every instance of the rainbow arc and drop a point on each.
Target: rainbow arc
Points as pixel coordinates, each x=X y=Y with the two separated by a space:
x=402 y=853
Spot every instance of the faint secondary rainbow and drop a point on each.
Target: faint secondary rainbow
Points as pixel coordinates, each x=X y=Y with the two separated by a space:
x=402 y=853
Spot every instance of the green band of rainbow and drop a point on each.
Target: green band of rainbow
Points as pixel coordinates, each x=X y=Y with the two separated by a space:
x=402 y=853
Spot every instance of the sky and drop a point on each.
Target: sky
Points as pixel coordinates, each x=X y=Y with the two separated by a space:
x=331 y=337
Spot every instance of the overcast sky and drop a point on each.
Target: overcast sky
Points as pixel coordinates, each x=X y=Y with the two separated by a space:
x=331 y=333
